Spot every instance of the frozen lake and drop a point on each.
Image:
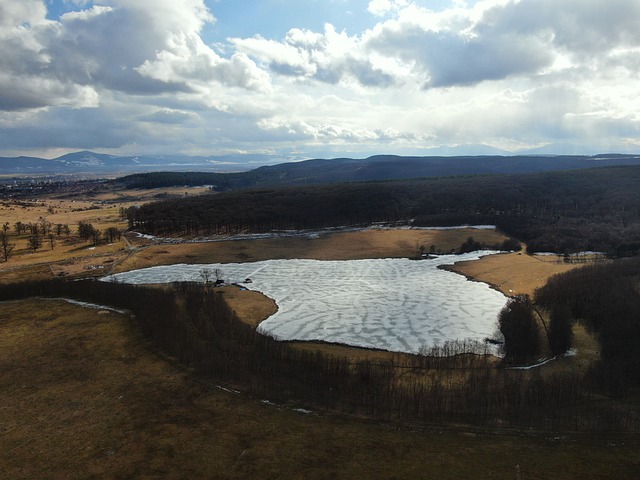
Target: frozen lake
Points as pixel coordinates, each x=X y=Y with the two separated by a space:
x=391 y=304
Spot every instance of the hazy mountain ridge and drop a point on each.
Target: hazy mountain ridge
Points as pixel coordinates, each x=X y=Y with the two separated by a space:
x=98 y=163
x=259 y=170
x=376 y=168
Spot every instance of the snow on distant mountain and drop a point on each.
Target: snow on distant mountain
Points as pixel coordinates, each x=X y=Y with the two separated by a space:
x=87 y=162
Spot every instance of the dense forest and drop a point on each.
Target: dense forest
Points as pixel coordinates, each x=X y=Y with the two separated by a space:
x=193 y=324
x=585 y=210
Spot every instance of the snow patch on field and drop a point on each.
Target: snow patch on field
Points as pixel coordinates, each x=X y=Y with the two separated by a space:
x=391 y=304
x=90 y=305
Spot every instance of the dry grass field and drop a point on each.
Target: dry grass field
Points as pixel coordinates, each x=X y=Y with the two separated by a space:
x=63 y=254
x=514 y=273
x=83 y=397
x=68 y=254
x=330 y=246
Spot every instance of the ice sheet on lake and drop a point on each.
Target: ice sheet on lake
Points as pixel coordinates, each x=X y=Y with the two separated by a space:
x=391 y=304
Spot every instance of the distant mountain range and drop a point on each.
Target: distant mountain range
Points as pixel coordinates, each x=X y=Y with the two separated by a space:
x=86 y=162
x=376 y=168
x=257 y=170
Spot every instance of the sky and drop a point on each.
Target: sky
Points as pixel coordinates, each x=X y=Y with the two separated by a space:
x=319 y=78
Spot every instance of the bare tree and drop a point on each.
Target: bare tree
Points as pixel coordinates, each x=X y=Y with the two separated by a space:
x=7 y=246
x=206 y=275
x=45 y=226
x=219 y=274
x=209 y=275
x=96 y=235
x=112 y=233
x=34 y=241
x=85 y=230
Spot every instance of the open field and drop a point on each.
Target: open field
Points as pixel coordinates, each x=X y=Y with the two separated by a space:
x=514 y=273
x=370 y=243
x=142 y=195
x=83 y=397
x=67 y=254
x=64 y=211
x=62 y=254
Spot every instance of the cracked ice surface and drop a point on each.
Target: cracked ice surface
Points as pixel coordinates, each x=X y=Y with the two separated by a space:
x=391 y=304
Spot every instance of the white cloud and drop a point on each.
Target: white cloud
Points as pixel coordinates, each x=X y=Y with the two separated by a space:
x=382 y=7
x=169 y=116
x=16 y=14
x=84 y=15
x=583 y=28
x=139 y=47
x=325 y=131
x=168 y=17
x=330 y=57
x=188 y=61
x=31 y=92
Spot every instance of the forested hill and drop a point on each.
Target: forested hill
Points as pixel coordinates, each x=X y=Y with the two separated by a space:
x=381 y=167
x=594 y=209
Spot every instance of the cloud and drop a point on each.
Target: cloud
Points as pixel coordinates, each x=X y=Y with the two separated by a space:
x=320 y=132
x=382 y=7
x=582 y=28
x=447 y=49
x=143 y=74
x=459 y=46
x=189 y=62
x=500 y=39
x=32 y=92
x=445 y=59
x=139 y=47
x=26 y=81
x=16 y=14
x=330 y=57
x=169 y=116
x=68 y=128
